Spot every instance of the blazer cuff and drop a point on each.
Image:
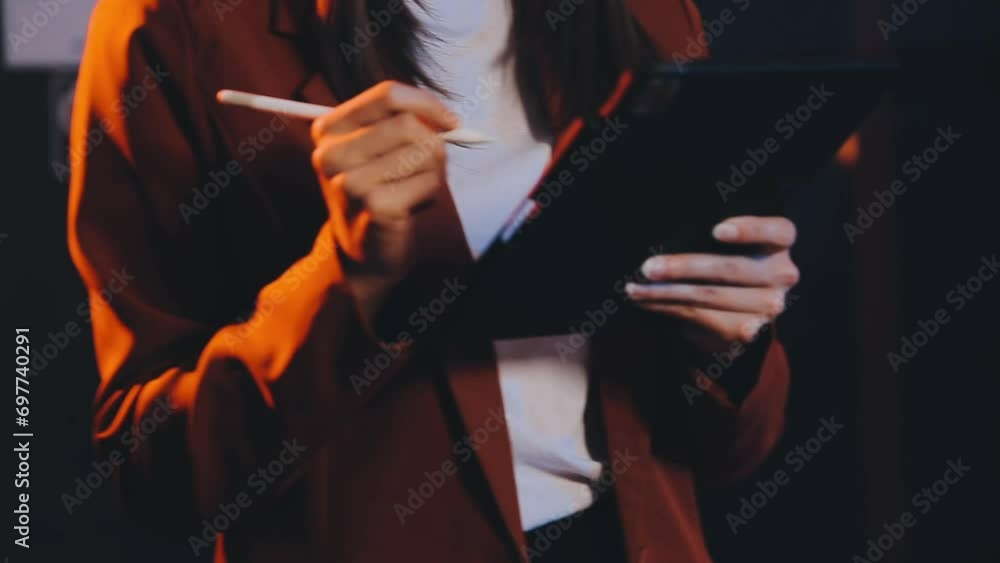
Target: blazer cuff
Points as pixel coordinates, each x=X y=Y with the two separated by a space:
x=734 y=376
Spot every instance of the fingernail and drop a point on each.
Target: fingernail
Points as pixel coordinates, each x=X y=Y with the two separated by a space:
x=631 y=289
x=453 y=119
x=654 y=268
x=725 y=231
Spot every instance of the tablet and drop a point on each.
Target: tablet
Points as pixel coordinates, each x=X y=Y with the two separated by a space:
x=675 y=150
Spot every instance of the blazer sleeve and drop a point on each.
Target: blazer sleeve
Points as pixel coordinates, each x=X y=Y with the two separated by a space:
x=741 y=415
x=193 y=396
x=727 y=410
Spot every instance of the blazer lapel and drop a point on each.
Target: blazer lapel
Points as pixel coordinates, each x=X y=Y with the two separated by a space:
x=472 y=376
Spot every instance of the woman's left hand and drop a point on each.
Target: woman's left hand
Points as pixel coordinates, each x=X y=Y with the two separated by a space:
x=724 y=299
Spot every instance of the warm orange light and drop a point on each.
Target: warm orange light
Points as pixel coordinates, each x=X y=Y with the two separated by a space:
x=850 y=151
x=323 y=9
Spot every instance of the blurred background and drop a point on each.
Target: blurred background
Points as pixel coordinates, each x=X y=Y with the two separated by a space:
x=859 y=298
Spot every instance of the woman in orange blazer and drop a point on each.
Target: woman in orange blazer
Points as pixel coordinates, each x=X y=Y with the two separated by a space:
x=249 y=401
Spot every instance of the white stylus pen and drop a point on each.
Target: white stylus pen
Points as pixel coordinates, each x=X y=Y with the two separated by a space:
x=303 y=110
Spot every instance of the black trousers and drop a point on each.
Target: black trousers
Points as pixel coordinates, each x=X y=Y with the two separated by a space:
x=593 y=535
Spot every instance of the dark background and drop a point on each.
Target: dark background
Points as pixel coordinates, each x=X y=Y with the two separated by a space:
x=856 y=302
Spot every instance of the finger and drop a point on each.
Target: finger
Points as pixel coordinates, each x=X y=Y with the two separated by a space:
x=729 y=326
x=726 y=329
x=767 y=302
x=338 y=153
x=772 y=232
x=381 y=101
x=397 y=165
x=403 y=199
x=776 y=270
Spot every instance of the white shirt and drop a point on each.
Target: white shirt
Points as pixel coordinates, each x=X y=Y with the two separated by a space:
x=544 y=397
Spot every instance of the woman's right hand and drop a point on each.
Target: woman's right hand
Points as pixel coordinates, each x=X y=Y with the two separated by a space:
x=380 y=161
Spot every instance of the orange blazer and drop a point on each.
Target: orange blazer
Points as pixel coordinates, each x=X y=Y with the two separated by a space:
x=241 y=396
